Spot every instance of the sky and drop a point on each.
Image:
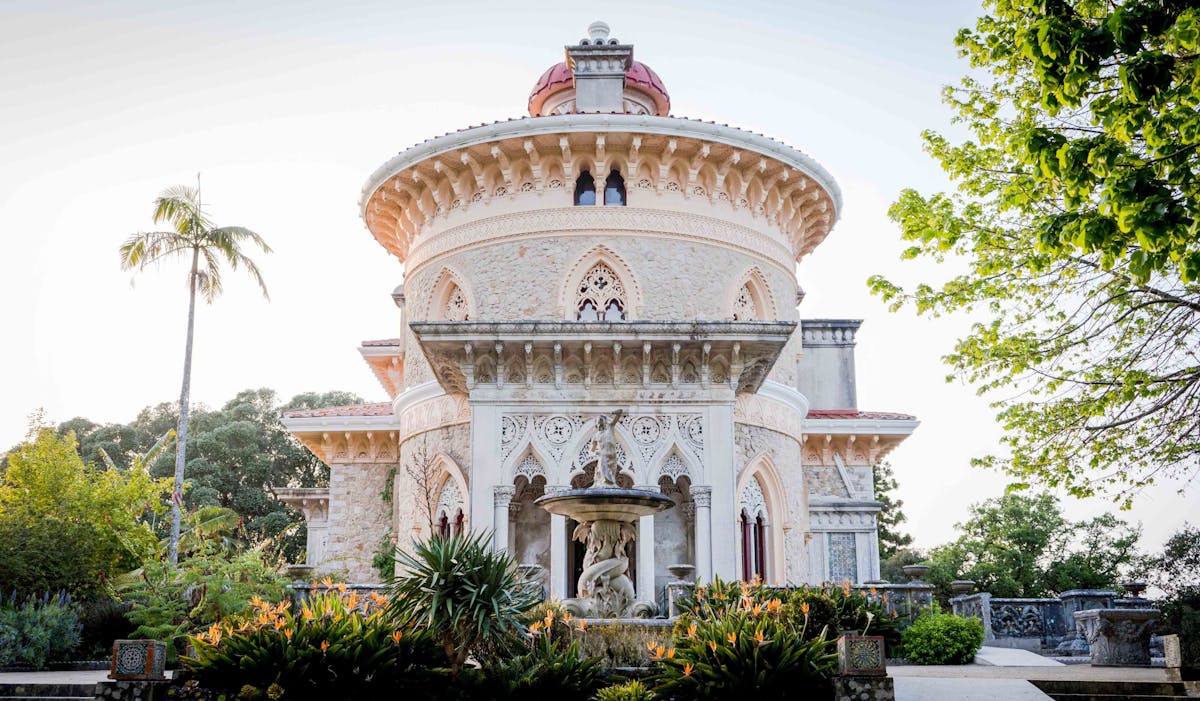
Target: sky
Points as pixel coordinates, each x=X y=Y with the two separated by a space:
x=285 y=108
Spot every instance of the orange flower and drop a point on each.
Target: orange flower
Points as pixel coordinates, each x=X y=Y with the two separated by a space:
x=687 y=669
x=324 y=645
x=759 y=637
x=671 y=653
x=256 y=601
x=846 y=587
x=341 y=587
x=731 y=637
x=535 y=627
x=288 y=633
x=396 y=636
x=691 y=631
x=327 y=583
x=712 y=645
x=582 y=626
x=873 y=591
x=773 y=605
x=279 y=623
x=567 y=618
x=307 y=613
x=805 y=608
x=757 y=609
x=650 y=646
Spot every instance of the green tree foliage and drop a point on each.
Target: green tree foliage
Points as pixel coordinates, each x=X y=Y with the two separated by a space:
x=68 y=525
x=891 y=538
x=1077 y=225
x=233 y=455
x=1176 y=573
x=1023 y=546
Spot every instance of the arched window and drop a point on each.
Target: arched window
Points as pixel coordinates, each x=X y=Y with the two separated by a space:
x=601 y=296
x=614 y=189
x=585 y=189
x=450 y=515
x=753 y=521
x=456 y=305
x=744 y=308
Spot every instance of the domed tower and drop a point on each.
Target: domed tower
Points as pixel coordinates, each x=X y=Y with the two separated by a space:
x=599 y=255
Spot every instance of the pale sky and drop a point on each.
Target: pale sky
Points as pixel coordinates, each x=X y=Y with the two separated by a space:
x=287 y=107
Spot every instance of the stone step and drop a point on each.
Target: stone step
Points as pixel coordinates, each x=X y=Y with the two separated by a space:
x=1113 y=690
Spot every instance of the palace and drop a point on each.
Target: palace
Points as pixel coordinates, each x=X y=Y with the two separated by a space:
x=603 y=255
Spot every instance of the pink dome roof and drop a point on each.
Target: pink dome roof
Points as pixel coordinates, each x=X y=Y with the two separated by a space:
x=640 y=77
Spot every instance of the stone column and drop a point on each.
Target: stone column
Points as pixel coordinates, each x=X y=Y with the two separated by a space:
x=702 y=498
x=485 y=463
x=558 y=550
x=645 y=557
x=501 y=498
x=719 y=474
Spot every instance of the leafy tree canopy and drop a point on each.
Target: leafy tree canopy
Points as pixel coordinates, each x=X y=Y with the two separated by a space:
x=1077 y=219
x=68 y=525
x=234 y=454
x=1023 y=546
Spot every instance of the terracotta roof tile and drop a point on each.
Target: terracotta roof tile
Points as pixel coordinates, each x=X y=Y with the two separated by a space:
x=854 y=414
x=377 y=409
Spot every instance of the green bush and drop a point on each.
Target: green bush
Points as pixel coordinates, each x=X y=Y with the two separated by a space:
x=339 y=645
x=35 y=630
x=548 y=670
x=942 y=638
x=816 y=610
x=467 y=594
x=751 y=650
x=629 y=691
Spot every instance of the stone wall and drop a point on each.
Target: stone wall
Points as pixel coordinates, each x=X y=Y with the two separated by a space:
x=359 y=518
x=409 y=516
x=675 y=279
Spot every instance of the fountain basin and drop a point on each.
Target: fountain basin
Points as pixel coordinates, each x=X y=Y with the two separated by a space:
x=605 y=504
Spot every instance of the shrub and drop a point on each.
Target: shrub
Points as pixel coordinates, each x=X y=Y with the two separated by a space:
x=339 y=645
x=550 y=669
x=815 y=609
x=35 y=630
x=630 y=691
x=464 y=592
x=942 y=638
x=621 y=644
x=750 y=650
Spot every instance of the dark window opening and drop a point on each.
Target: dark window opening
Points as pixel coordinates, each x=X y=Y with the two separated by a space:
x=614 y=189
x=585 y=189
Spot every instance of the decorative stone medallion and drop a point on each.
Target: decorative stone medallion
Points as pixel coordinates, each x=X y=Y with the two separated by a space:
x=138 y=659
x=861 y=655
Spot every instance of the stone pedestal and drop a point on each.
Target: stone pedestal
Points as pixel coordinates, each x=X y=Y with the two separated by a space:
x=863 y=689
x=1073 y=601
x=861 y=656
x=1117 y=637
x=1183 y=657
x=138 y=659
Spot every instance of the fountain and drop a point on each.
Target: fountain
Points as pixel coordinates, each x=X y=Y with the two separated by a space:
x=607 y=516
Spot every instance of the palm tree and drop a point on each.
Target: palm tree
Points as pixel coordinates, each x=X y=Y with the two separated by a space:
x=192 y=233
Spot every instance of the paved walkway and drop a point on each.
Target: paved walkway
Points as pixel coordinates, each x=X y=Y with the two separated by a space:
x=86 y=677
x=1010 y=657
x=960 y=689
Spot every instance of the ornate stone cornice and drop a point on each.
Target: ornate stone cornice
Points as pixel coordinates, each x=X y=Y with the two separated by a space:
x=422 y=186
x=675 y=360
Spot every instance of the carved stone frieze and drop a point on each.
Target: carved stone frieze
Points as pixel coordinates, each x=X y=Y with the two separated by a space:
x=444 y=410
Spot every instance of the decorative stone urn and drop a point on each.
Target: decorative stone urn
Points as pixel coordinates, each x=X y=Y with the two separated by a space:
x=1117 y=637
x=915 y=572
x=682 y=573
x=962 y=587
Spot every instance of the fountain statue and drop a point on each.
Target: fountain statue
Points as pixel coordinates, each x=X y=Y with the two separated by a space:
x=607 y=516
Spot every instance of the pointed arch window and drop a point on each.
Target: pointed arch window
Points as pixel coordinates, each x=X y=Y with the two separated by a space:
x=585 y=189
x=744 y=307
x=456 y=308
x=754 y=527
x=614 y=189
x=601 y=296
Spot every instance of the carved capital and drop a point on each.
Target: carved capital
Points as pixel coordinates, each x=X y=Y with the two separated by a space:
x=702 y=496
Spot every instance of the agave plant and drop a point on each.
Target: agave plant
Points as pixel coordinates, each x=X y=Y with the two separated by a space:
x=463 y=591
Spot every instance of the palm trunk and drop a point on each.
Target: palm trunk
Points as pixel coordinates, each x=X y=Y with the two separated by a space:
x=181 y=445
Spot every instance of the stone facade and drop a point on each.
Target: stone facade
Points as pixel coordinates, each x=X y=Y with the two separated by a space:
x=565 y=266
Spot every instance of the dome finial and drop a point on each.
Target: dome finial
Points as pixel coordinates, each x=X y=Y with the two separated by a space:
x=598 y=31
